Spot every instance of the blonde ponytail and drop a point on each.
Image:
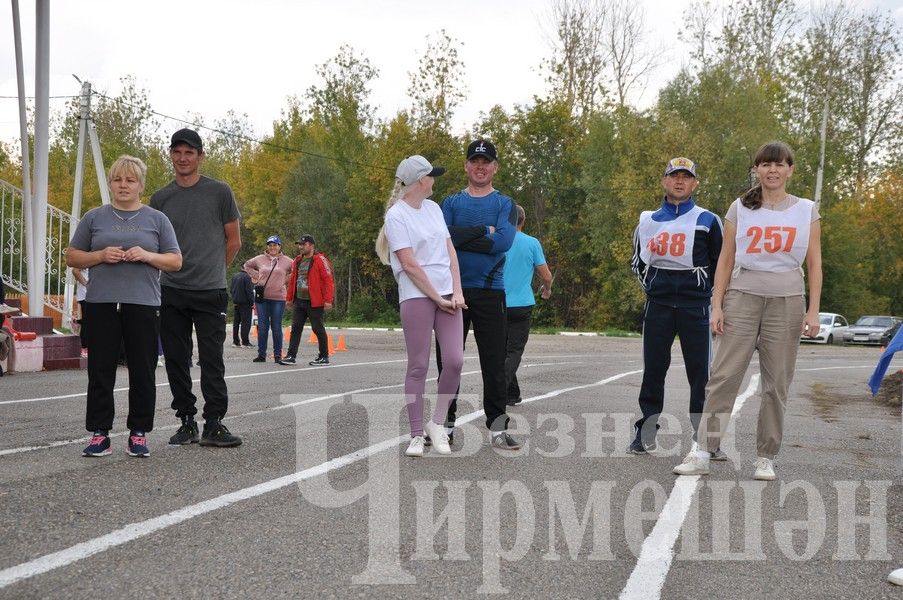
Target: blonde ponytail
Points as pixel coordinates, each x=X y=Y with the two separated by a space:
x=382 y=243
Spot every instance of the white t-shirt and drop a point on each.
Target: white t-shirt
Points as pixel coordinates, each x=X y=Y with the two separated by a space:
x=80 y=290
x=423 y=230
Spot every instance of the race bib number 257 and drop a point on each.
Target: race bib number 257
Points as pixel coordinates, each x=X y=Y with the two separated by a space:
x=772 y=239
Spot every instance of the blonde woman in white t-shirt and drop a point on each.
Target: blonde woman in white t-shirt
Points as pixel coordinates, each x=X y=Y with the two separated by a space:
x=415 y=241
x=759 y=301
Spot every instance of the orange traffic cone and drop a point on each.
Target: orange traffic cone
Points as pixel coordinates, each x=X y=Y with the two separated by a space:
x=329 y=345
x=340 y=347
x=312 y=339
x=254 y=331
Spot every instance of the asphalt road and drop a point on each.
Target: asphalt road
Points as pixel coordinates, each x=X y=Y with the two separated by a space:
x=320 y=502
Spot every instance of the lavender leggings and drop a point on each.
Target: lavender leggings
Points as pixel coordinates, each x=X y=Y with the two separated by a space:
x=419 y=317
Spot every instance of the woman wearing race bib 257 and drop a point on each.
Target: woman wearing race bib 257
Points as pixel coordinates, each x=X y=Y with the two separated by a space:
x=759 y=302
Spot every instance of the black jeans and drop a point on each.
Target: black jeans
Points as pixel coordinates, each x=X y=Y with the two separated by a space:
x=205 y=310
x=518 y=331
x=137 y=326
x=241 y=324
x=660 y=324
x=301 y=311
x=486 y=310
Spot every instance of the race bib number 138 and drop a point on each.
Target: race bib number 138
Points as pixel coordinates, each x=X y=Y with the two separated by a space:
x=664 y=244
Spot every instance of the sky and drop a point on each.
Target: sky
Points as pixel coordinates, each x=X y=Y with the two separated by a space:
x=209 y=56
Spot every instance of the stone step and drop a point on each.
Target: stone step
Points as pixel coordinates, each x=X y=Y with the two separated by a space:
x=61 y=346
x=55 y=364
x=39 y=325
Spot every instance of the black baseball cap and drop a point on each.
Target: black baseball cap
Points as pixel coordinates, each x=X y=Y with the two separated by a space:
x=306 y=238
x=481 y=148
x=187 y=136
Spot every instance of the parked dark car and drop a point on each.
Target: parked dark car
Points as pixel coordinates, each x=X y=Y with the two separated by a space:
x=872 y=330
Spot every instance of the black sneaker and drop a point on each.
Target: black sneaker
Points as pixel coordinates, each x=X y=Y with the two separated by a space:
x=216 y=434
x=186 y=434
x=259 y=359
x=320 y=360
x=504 y=441
x=288 y=360
x=278 y=360
x=637 y=447
x=248 y=345
x=514 y=401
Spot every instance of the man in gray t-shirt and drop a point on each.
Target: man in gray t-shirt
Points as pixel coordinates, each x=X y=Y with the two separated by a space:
x=206 y=221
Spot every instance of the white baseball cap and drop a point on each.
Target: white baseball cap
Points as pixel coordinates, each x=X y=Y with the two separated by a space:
x=413 y=168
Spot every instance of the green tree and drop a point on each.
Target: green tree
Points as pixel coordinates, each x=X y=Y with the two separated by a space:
x=576 y=69
x=436 y=87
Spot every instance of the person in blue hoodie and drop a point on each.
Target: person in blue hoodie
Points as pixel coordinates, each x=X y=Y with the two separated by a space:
x=676 y=250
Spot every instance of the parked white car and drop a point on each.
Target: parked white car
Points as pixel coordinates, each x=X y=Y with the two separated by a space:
x=831 y=328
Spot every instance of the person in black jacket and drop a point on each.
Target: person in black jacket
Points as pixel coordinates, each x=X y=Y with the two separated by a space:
x=243 y=298
x=676 y=250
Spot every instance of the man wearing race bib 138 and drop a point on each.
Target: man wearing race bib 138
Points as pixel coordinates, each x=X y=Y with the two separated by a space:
x=676 y=249
x=759 y=302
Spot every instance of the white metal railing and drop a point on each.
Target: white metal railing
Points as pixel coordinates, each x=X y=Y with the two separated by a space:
x=58 y=282
x=13 y=268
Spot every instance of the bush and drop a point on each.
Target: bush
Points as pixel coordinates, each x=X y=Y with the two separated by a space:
x=374 y=311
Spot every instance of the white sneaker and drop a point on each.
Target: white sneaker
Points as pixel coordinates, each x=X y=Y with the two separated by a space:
x=438 y=437
x=692 y=465
x=415 y=448
x=764 y=469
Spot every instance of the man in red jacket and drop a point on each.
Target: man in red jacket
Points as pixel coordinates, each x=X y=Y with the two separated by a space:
x=310 y=292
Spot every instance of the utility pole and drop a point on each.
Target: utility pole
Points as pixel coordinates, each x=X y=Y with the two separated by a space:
x=38 y=252
x=86 y=128
x=26 y=160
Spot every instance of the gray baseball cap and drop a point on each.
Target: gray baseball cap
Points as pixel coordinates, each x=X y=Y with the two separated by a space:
x=413 y=168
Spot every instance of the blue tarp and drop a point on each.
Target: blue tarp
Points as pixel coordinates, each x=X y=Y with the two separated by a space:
x=883 y=362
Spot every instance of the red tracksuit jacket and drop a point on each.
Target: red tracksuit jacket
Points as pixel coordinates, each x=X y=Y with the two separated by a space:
x=319 y=280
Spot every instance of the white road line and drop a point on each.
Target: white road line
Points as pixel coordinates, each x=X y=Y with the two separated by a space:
x=241 y=376
x=872 y=366
x=134 y=531
x=652 y=566
x=84 y=439
x=265 y=373
x=554 y=393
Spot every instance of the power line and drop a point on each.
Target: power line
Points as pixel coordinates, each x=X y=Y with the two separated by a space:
x=250 y=139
